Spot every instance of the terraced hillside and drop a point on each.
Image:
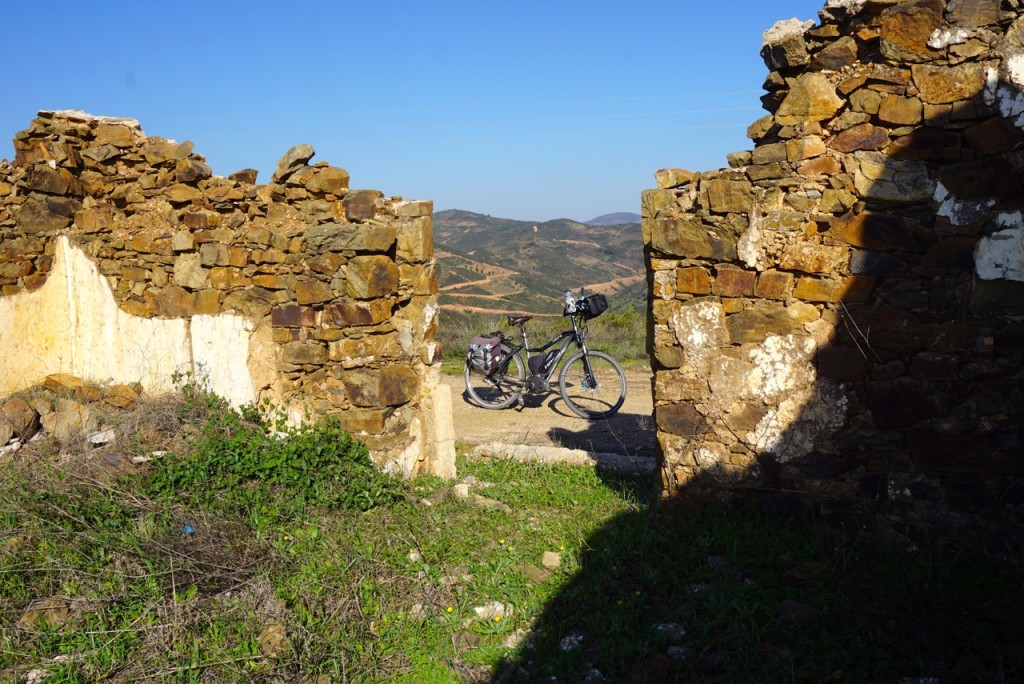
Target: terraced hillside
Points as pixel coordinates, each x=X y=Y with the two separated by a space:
x=494 y=265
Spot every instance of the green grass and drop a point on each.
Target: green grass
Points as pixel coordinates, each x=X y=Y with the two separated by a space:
x=705 y=592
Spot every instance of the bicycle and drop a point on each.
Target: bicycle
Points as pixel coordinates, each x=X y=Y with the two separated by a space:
x=592 y=384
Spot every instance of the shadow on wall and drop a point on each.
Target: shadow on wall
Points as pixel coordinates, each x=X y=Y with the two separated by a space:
x=848 y=347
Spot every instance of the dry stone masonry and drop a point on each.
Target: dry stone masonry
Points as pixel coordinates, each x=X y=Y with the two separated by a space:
x=840 y=311
x=123 y=259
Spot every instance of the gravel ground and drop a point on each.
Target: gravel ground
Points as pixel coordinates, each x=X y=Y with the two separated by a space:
x=546 y=421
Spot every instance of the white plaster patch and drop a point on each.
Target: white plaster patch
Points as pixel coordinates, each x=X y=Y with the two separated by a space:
x=1007 y=96
x=782 y=365
x=1000 y=256
x=72 y=324
x=959 y=212
x=748 y=247
x=942 y=38
x=1015 y=69
x=991 y=85
x=220 y=351
x=700 y=326
x=799 y=422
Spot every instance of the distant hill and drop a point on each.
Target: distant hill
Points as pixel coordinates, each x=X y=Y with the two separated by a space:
x=614 y=219
x=500 y=265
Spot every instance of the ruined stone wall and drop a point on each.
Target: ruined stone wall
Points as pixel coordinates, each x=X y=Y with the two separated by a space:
x=839 y=312
x=124 y=259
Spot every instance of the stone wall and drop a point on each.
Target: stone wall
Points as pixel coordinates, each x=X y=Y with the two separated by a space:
x=839 y=312
x=124 y=259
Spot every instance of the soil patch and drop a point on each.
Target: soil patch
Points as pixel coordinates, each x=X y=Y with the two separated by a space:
x=545 y=420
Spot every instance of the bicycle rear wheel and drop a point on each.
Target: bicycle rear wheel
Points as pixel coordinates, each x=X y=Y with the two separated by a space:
x=598 y=393
x=496 y=391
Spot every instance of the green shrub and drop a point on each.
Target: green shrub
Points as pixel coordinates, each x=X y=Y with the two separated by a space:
x=249 y=462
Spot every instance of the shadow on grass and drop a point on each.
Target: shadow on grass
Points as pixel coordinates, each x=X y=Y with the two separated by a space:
x=698 y=590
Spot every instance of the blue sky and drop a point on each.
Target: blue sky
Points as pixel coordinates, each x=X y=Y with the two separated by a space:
x=526 y=110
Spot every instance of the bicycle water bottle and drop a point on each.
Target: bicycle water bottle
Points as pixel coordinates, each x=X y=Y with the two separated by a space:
x=570 y=303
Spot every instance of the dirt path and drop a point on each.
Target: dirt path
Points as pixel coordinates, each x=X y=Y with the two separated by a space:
x=545 y=421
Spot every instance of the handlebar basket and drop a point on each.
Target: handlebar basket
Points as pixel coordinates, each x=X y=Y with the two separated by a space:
x=593 y=305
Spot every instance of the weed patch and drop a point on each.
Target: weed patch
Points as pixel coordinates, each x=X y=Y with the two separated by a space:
x=249 y=462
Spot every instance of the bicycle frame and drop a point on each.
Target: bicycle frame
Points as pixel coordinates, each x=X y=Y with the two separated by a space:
x=578 y=334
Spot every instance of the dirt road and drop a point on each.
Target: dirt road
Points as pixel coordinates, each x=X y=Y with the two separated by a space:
x=545 y=421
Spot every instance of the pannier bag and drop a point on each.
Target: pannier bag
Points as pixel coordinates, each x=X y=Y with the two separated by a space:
x=594 y=305
x=484 y=353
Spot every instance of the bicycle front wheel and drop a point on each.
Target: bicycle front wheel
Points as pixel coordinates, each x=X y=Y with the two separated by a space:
x=593 y=386
x=496 y=391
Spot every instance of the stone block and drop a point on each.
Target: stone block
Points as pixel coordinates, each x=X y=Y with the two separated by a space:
x=875 y=230
x=841 y=363
x=811 y=98
x=293 y=316
x=973 y=13
x=46 y=214
x=812 y=258
x=727 y=196
x=805 y=147
x=370 y=346
x=421 y=278
x=377 y=388
x=208 y=302
x=693 y=280
x=329 y=180
x=303 y=353
x=672 y=178
x=189 y=272
x=733 y=282
x=902 y=111
x=860 y=137
x=865 y=262
x=369 y=312
x=416 y=240
x=821 y=166
x=686 y=237
x=179 y=193
x=359 y=237
x=818 y=289
x=170 y=302
x=361 y=421
x=681 y=419
x=412 y=208
x=23 y=419
x=906 y=27
x=993 y=136
x=769 y=153
x=865 y=100
x=887 y=179
x=361 y=204
x=949 y=84
x=313 y=292
x=754 y=325
x=151 y=244
x=981 y=179
x=774 y=285
x=836 y=55
x=371 y=277
x=225 y=278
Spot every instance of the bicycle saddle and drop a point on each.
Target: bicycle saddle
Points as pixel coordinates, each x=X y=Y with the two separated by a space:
x=518 y=320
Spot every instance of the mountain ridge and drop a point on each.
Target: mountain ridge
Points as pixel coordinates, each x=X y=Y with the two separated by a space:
x=490 y=264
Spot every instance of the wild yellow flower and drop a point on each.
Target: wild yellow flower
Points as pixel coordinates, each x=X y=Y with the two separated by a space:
x=497 y=618
x=449 y=609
